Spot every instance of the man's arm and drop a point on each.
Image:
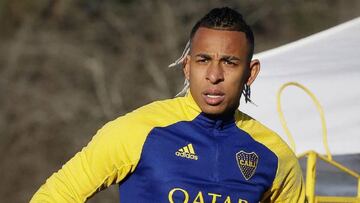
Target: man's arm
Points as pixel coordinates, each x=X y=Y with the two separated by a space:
x=288 y=185
x=107 y=159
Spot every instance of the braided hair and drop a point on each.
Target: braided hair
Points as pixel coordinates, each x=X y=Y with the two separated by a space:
x=225 y=19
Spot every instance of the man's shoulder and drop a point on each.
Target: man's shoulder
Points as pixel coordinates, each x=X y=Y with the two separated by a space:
x=138 y=124
x=254 y=127
x=166 y=106
x=157 y=114
x=264 y=135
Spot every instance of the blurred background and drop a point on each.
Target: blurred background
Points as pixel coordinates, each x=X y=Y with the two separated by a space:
x=69 y=66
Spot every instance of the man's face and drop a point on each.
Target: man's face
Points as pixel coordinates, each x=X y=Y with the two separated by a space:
x=218 y=68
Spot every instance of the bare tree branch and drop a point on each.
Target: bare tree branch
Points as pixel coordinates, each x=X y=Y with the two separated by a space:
x=97 y=70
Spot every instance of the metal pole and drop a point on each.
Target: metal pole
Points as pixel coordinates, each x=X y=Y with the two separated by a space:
x=358 y=194
x=311 y=177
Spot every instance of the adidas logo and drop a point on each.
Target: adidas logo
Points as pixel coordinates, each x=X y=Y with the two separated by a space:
x=187 y=152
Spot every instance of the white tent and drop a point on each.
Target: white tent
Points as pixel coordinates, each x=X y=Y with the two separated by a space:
x=327 y=63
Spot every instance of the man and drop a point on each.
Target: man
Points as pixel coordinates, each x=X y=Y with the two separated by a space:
x=197 y=148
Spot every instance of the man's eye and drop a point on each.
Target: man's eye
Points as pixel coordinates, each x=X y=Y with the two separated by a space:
x=202 y=60
x=229 y=62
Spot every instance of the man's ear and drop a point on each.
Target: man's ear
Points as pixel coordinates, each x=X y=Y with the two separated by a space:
x=186 y=67
x=254 y=71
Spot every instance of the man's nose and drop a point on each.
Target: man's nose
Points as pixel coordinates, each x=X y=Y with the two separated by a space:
x=215 y=73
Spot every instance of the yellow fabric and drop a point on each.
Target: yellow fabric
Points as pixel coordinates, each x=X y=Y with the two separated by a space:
x=288 y=186
x=113 y=153
x=115 y=150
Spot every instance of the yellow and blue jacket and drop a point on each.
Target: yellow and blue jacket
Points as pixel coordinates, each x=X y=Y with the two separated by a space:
x=169 y=151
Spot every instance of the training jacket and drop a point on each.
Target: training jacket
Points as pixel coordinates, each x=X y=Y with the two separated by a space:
x=169 y=151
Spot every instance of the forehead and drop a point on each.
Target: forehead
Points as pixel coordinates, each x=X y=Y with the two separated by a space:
x=213 y=41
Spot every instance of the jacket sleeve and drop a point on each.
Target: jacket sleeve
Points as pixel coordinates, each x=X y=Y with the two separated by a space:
x=288 y=186
x=110 y=156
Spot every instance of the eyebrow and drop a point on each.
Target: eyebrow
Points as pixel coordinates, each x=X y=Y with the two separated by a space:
x=223 y=57
x=230 y=58
x=205 y=56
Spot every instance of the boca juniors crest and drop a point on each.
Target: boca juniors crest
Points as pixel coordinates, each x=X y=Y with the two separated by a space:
x=247 y=163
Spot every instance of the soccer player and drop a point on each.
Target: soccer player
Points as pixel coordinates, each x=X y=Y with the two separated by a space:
x=196 y=148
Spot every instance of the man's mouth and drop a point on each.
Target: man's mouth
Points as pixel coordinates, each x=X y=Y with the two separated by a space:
x=213 y=97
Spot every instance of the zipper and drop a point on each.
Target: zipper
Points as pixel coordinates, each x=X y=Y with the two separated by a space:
x=216 y=172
